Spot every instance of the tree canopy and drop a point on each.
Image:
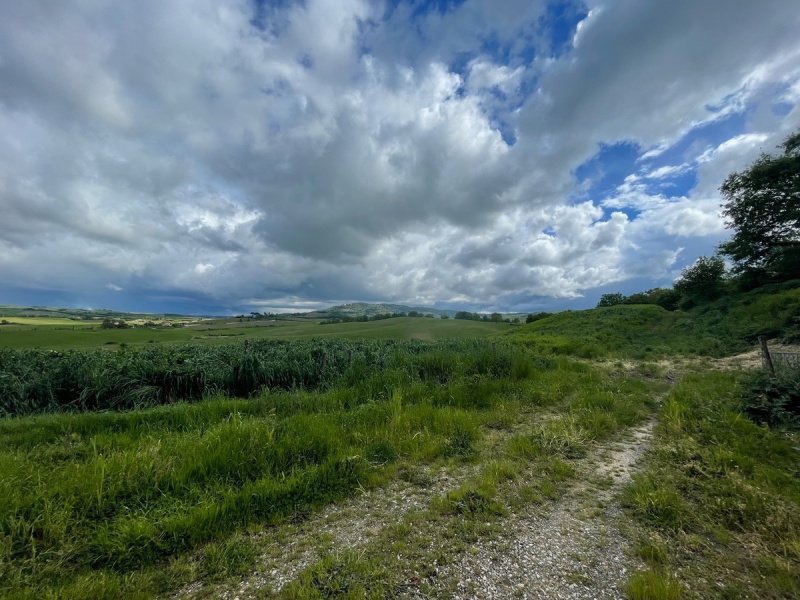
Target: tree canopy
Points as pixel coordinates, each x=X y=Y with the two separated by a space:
x=703 y=282
x=763 y=209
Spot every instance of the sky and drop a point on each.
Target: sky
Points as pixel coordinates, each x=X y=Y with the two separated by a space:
x=224 y=156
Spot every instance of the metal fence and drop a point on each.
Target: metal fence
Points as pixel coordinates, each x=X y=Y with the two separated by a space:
x=774 y=361
x=787 y=360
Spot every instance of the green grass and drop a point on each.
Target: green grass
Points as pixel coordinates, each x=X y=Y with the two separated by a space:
x=137 y=503
x=719 y=499
x=653 y=585
x=647 y=331
x=81 y=336
x=48 y=321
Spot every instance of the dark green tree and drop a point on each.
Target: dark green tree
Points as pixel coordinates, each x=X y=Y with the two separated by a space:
x=663 y=297
x=763 y=209
x=703 y=282
x=610 y=300
x=536 y=316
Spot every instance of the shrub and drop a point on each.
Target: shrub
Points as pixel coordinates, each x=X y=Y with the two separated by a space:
x=774 y=401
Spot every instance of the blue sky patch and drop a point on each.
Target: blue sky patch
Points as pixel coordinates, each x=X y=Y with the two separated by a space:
x=600 y=176
x=559 y=23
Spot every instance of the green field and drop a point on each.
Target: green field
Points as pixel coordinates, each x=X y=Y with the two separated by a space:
x=56 y=337
x=48 y=322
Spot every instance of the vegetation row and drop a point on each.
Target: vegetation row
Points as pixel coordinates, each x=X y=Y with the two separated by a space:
x=34 y=381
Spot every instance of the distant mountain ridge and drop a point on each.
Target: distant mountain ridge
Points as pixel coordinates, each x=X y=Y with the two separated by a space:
x=360 y=309
x=352 y=309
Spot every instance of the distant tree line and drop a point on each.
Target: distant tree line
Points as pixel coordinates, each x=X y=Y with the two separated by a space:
x=663 y=297
x=762 y=207
x=114 y=324
x=379 y=317
x=536 y=316
x=257 y=316
x=492 y=318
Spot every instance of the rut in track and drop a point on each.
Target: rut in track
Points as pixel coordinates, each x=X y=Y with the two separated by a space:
x=569 y=549
x=573 y=550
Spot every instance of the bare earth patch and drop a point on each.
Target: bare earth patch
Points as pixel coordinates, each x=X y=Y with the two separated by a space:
x=752 y=358
x=574 y=550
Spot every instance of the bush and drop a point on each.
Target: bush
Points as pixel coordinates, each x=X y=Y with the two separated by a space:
x=774 y=401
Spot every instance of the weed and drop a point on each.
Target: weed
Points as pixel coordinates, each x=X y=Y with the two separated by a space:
x=232 y=556
x=651 y=552
x=653 y=585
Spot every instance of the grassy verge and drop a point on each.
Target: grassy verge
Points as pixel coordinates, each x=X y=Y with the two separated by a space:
x=718 y=504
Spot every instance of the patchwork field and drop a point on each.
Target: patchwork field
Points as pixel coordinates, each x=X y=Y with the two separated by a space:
x=43 y=334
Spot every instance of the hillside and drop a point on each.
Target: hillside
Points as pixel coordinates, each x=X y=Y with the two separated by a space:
x=729 y=325
x=78 y=314
x=362 y=309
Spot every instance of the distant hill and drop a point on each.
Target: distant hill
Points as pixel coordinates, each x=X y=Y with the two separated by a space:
x=79 y=314
x=360 y=309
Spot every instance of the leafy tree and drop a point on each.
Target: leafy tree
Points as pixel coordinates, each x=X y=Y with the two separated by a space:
x=703 y=282
x=663 y=297
x=537 y=316
x=610 y=300
x=763 y=208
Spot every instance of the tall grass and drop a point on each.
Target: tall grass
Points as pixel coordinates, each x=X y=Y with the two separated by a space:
x=724 y=494
x=33 y=381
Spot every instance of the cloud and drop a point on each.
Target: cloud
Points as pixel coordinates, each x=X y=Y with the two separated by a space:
x=292 y=154
x=667 y=171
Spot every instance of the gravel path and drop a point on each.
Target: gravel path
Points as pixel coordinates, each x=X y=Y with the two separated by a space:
x=575 y=551
x=571 y=550
x=286 y=550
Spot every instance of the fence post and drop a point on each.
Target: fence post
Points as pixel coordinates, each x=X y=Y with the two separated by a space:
x=766 y=359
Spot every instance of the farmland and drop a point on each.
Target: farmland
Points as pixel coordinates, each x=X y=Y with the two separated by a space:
x=394 y=458
x=37 y=334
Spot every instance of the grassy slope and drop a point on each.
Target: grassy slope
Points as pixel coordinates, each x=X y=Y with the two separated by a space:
x=640 y=331
x=64 y=338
